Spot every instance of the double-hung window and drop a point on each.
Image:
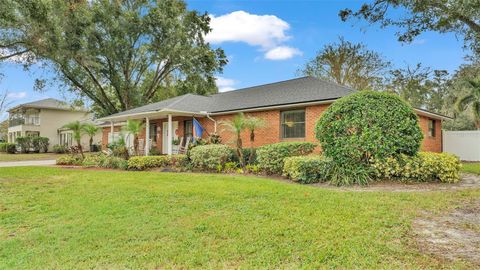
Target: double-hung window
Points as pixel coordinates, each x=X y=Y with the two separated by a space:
x=292 y=124
x=431 y=128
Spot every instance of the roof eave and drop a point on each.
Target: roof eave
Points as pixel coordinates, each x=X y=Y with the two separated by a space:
x=141 y=115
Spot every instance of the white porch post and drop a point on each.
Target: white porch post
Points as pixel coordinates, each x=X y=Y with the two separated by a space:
x=147 y=136
x=169 y=135
x=111 y=132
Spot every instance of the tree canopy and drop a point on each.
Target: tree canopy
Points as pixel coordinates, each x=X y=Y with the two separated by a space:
x=118 y=54
x=348 y=64
x=457 y=16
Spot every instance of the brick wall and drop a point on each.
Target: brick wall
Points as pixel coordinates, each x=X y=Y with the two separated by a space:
x=271 y=132
x=432 y=144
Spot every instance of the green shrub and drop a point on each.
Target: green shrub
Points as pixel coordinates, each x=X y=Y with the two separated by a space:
x=112 y=162
x=423 y=167
x=368 y=125
x=8 y=148
x=363 y=126
x=34 y=144
x=252 y=168
x=307 y=169
x=147 y=162
x=231 y=167
x=59 y=149
x=94 y=160
x=211 y=156
x=24 y=143
x=69 y=160
x=270 y=157
x=43 y=144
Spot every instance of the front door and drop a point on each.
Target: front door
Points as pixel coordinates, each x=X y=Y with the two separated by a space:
x=164 y=135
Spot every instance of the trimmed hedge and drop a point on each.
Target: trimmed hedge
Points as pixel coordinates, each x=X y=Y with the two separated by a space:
x=270 y=157
x=69 y=160
x=211 y=156
x=368 y=125
x=143 y=163
x=423 y=167
x=8 y=148
x=307 y=169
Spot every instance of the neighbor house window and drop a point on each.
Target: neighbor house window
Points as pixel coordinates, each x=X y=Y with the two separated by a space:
x=431 y=128
x=153 y=132
x=293 y=124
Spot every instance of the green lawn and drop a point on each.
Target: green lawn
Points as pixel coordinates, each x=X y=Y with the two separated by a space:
x=24 y=157
x=471 y=167
x=81 y=219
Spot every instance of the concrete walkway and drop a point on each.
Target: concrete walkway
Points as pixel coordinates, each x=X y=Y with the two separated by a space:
x=27 y=163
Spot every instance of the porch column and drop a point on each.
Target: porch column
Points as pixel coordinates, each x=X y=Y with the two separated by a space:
x=111 y=131
x=169 y=135
x=147 y=136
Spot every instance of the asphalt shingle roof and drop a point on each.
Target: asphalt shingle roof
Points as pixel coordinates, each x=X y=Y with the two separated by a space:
x=300 y=90
x=48 y=103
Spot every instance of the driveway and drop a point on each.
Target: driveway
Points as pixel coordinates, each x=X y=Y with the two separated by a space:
x=27 y=163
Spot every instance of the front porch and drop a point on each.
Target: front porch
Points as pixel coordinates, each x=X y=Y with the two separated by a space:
x=164 y=132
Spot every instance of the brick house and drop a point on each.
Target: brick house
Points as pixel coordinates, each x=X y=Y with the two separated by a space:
x=290 y=109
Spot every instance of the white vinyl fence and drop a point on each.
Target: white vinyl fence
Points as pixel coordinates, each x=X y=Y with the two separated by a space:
x=465 y=144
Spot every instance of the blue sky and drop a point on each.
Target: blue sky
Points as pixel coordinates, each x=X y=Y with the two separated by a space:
x=281 y=36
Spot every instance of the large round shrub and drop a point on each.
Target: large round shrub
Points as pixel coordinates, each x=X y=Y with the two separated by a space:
x=367 y=125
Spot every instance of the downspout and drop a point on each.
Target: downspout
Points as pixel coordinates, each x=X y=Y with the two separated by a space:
x=214 y=124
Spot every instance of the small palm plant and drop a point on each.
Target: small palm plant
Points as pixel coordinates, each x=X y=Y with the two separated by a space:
x=77 y=128
x=236 y=126
x=472 y=100
x=134 y=127
x=90 y=129
x=252 y=124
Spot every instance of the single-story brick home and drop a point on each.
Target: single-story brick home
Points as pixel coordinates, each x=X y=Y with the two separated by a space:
x=290 y=109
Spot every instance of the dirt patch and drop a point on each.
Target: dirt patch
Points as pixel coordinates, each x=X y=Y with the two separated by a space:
x=468 y=181
x=452 y=236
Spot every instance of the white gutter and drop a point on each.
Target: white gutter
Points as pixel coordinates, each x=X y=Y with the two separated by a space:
x=147 y=114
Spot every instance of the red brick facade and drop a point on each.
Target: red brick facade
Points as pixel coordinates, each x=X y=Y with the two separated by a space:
x=271 y=132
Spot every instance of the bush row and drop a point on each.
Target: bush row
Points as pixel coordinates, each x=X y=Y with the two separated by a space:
x=8 y=148
x=307 y=169
x=270 y=157
x=32 y=144
x=423 y=167
x=148 y=162
x=95 y=160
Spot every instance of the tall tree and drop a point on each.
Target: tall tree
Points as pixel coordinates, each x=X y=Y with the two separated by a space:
x=77 y=128
x=252 y=124
x=90 y=129
x=120 y=53
x=457 y=16
x=348 y=64
x=472 y=100
x=237 y=126
x=134 y=127
x=420 y=86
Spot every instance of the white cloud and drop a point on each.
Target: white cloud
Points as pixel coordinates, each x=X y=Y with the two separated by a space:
x=224 y=84
x=265 y=31
x=239 y=26
x=17 y=95
x=282 y=53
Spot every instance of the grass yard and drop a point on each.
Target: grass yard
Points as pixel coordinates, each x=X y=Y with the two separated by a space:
x=84 y=219
x=23 y=157
x=471 y=167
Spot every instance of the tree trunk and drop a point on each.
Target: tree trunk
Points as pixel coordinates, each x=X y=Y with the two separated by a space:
x=79 y=144
x=252 y=150
x=135 y=144
x=240 y=151
x=91 y=144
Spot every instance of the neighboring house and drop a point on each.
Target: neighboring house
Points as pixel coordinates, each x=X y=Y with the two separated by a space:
x=46 y=118
x=290 y=109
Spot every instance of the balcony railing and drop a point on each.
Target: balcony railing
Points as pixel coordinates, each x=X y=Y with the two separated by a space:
x=31 y=120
